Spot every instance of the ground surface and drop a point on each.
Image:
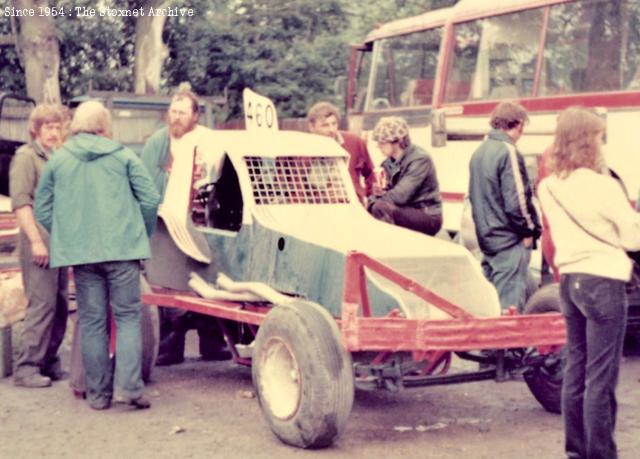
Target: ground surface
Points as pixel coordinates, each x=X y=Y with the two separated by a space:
x=203 y=409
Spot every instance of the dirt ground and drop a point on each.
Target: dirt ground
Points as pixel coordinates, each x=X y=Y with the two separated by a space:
x=203 y=409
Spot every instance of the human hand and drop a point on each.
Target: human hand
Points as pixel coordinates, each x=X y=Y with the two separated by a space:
x=527 y=242
x=377 y=190
x=40 y=254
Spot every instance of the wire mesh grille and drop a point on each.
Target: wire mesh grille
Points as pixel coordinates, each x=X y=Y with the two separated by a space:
x=296 y=180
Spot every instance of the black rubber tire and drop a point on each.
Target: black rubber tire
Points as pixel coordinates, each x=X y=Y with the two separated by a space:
x=150 y=330
x=545 y=381
x=532 y=286
x=304 y=335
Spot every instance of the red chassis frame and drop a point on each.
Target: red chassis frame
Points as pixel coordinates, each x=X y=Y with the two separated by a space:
x=362 y=332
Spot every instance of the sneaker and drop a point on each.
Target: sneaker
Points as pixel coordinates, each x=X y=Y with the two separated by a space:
x=32 y=381
x=138 y=403
x=100 y=403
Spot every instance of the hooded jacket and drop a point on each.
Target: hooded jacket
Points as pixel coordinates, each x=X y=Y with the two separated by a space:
x=501 y=195
x=97 y=201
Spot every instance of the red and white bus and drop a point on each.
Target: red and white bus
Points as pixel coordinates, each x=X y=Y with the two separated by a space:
x=445 y=70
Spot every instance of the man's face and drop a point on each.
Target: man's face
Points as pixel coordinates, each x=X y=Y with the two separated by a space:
x=181 y=117
x=386 y=148
x=49 y=135
x=327 y=126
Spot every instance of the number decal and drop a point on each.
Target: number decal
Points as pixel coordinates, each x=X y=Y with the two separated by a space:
x=259 y=112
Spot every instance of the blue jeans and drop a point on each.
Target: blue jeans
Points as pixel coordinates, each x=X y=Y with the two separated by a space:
x=97 y=285
x=507 y=270
x=595 y=309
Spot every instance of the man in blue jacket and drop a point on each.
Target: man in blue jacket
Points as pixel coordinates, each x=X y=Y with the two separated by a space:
x=99 y=204
x=506 y=222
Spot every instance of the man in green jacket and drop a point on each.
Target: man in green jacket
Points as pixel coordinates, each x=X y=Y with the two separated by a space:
x=99 y=204
x=157 y=156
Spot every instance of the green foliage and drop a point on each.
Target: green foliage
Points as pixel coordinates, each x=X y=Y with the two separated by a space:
x=11 y=72
x=289 y=50
x=102 y=59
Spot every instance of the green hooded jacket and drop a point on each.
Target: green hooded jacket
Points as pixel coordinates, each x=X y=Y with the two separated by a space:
x=97 y=201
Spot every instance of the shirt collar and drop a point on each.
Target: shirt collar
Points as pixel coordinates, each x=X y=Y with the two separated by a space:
x=40 y=151
x=497 y=134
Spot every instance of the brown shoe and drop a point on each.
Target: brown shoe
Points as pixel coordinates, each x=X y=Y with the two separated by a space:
x=33 y=380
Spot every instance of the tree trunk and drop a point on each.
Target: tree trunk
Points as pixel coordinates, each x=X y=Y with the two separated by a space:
x=150 y=51
x=39 y=52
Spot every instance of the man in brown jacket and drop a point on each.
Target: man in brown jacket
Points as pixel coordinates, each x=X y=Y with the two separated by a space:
x=323 y=118
x=46 y=289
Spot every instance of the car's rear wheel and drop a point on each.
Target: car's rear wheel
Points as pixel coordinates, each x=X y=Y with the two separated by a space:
x=545 y=377
x=303 y=375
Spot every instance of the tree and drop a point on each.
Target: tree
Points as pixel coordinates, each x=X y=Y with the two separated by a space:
x=96 y=52
x=38 y=50
x=150 y=50
x=288 y=50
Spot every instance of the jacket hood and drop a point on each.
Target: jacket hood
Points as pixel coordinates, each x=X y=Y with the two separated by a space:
x=87 y=147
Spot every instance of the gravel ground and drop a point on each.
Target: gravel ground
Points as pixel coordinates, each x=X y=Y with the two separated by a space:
x=205 y=409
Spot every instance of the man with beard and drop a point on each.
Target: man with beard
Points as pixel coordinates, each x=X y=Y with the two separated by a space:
x=182 y=130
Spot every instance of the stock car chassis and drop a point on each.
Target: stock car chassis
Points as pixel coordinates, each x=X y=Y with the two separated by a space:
x=328 y=299
x=306 y=363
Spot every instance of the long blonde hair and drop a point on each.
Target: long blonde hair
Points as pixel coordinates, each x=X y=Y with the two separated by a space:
x=575 y=143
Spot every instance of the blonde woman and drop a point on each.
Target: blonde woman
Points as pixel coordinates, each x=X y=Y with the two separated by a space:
x=593 y=225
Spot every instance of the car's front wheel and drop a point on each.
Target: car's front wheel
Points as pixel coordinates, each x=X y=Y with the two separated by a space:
x=303 y=375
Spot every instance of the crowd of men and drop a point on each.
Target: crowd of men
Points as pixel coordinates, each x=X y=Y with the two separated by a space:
x=72 y=181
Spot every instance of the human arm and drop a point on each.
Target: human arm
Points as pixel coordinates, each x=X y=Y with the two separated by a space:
x=44 y=197
x=614 y=205
x=517 y=196
x=145 y=192
x=22 y=183
x=27 y=224
x=411 y=179
x=155 y=156
x=366 y=170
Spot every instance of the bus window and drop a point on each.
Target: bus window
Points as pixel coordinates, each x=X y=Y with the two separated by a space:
x=490 y=61
x=592 y=46
x=405 y=69
x=362 y=79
